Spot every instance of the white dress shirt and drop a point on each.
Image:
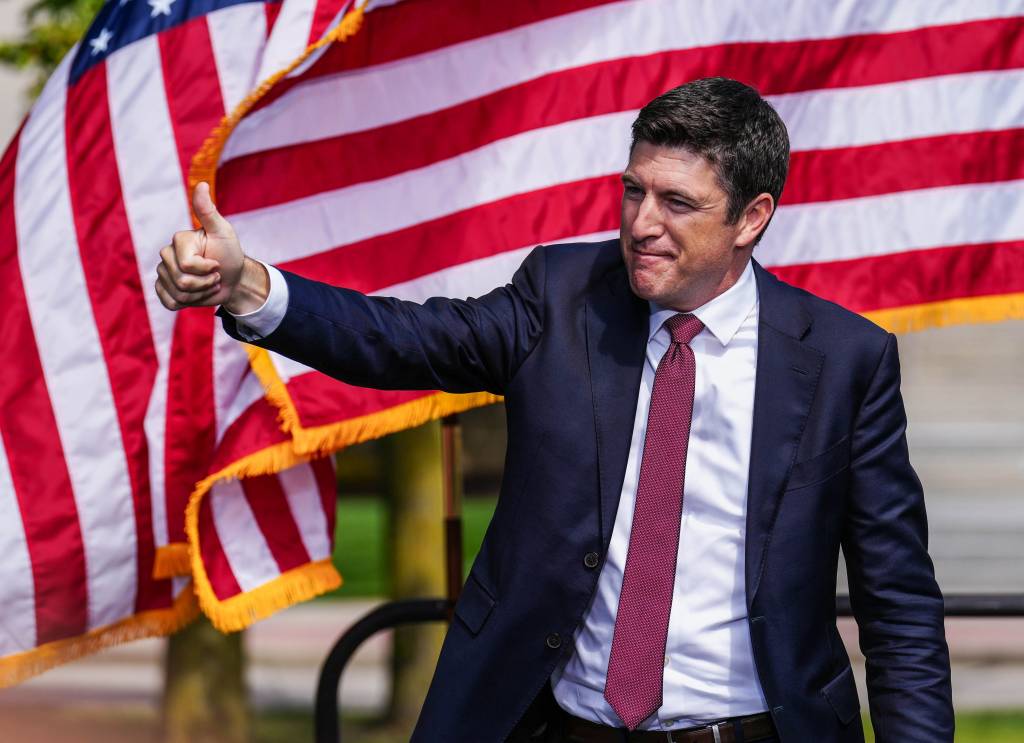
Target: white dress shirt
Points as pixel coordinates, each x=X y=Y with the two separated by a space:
x=263 y=321
x=709 y=667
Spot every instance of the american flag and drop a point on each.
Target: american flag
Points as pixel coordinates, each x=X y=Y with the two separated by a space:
x=425 y=156
x=431 y=152
x=100 y=445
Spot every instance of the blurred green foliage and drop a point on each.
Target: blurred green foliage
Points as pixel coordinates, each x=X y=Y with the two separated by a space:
x=361 y=549
x=53 y=27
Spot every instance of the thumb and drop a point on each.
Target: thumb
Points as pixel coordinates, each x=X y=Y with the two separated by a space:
x=206 y=212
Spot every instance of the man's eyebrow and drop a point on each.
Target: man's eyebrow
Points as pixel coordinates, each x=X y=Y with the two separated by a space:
x=693 y=199
x=684 y=195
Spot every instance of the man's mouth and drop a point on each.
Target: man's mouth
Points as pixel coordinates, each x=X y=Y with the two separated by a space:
x=649 y=254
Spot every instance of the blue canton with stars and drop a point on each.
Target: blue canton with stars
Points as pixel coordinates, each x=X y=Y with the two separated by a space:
x=121 y=22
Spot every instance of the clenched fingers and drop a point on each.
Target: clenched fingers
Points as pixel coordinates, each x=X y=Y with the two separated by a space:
x=188 y=253
x=185 y=282
x=177 y=289
x=173 y=299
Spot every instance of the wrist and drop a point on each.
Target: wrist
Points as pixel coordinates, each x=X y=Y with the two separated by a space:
x=252 y=289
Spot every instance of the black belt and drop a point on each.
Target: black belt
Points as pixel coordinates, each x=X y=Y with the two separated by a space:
x=753 y=727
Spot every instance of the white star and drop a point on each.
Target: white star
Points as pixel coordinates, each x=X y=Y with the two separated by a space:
x=99 y=44
x=160 y=7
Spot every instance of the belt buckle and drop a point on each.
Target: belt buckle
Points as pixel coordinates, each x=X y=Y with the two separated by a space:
x=714 y=727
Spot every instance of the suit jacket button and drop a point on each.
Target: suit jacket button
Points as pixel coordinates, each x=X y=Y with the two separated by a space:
x=591 y=559
x=553 y=641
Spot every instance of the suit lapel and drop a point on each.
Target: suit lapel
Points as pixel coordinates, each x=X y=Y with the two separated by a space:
x=787 y=376
x=617 y=327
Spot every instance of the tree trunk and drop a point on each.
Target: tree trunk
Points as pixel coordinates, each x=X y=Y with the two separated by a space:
x=205 y=699
x=417 y=560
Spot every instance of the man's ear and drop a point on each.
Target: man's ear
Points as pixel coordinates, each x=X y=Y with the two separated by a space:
x=754 y=219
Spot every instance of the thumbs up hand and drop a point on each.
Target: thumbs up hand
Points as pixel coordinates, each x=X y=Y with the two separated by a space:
x=206 y=267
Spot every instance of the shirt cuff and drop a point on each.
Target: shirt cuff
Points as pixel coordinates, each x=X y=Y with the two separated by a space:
x=260 y=323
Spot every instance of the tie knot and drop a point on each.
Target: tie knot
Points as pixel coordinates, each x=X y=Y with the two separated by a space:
x=683 y=328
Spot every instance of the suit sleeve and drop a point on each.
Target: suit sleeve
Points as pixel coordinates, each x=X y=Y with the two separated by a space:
x=895 y=597
x=387 y=343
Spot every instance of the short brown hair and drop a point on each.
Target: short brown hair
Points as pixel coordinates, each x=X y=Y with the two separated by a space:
x=730 y=125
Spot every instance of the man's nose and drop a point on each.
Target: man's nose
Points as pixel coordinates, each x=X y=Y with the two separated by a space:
x=648 y=220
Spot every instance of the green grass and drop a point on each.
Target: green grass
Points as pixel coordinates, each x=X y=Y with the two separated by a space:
x=361 y=543
x=980 y=727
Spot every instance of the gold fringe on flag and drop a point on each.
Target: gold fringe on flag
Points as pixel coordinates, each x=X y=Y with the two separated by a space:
x=172 y=561
x=963 y=311
x=331 y=437
x=21 y=666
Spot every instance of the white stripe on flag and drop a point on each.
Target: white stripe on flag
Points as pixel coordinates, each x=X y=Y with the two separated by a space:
x=238 y=34
x=894 y=223
x=404 y=88
x=473 y=278
x=243 y=542
x=72 y=357
x=248 y=392
x=232 y=380
x=156 y=205
x=288 y=37
x=926 y=107
x=18 y=620
x=303 y=495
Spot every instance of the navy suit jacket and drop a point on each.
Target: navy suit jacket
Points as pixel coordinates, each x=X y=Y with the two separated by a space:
x=564 y=343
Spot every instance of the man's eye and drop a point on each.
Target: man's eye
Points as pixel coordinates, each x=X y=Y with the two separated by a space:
x=633 y=191
x=678 y=204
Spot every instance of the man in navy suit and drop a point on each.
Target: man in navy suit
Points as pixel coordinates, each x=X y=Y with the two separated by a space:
x=691 y=441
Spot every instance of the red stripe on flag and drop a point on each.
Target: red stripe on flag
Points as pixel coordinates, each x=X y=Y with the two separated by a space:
x=554 y=213
x=115 y=291
x=914 y=277
x=273 y=10
x=324 y=12
x=215 y=560
x=929 y=162
x=193 y=88
x=307 y=390
x=190 y=433
x=617 y=85
x=397 y=31
x=327 y=484
x=270 y=508
x=30 y=437
x=254 y=430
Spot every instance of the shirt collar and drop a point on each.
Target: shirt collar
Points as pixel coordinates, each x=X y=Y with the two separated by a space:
x=723 y=315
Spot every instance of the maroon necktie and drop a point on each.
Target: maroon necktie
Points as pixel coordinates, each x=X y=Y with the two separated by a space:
x=637 y=661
